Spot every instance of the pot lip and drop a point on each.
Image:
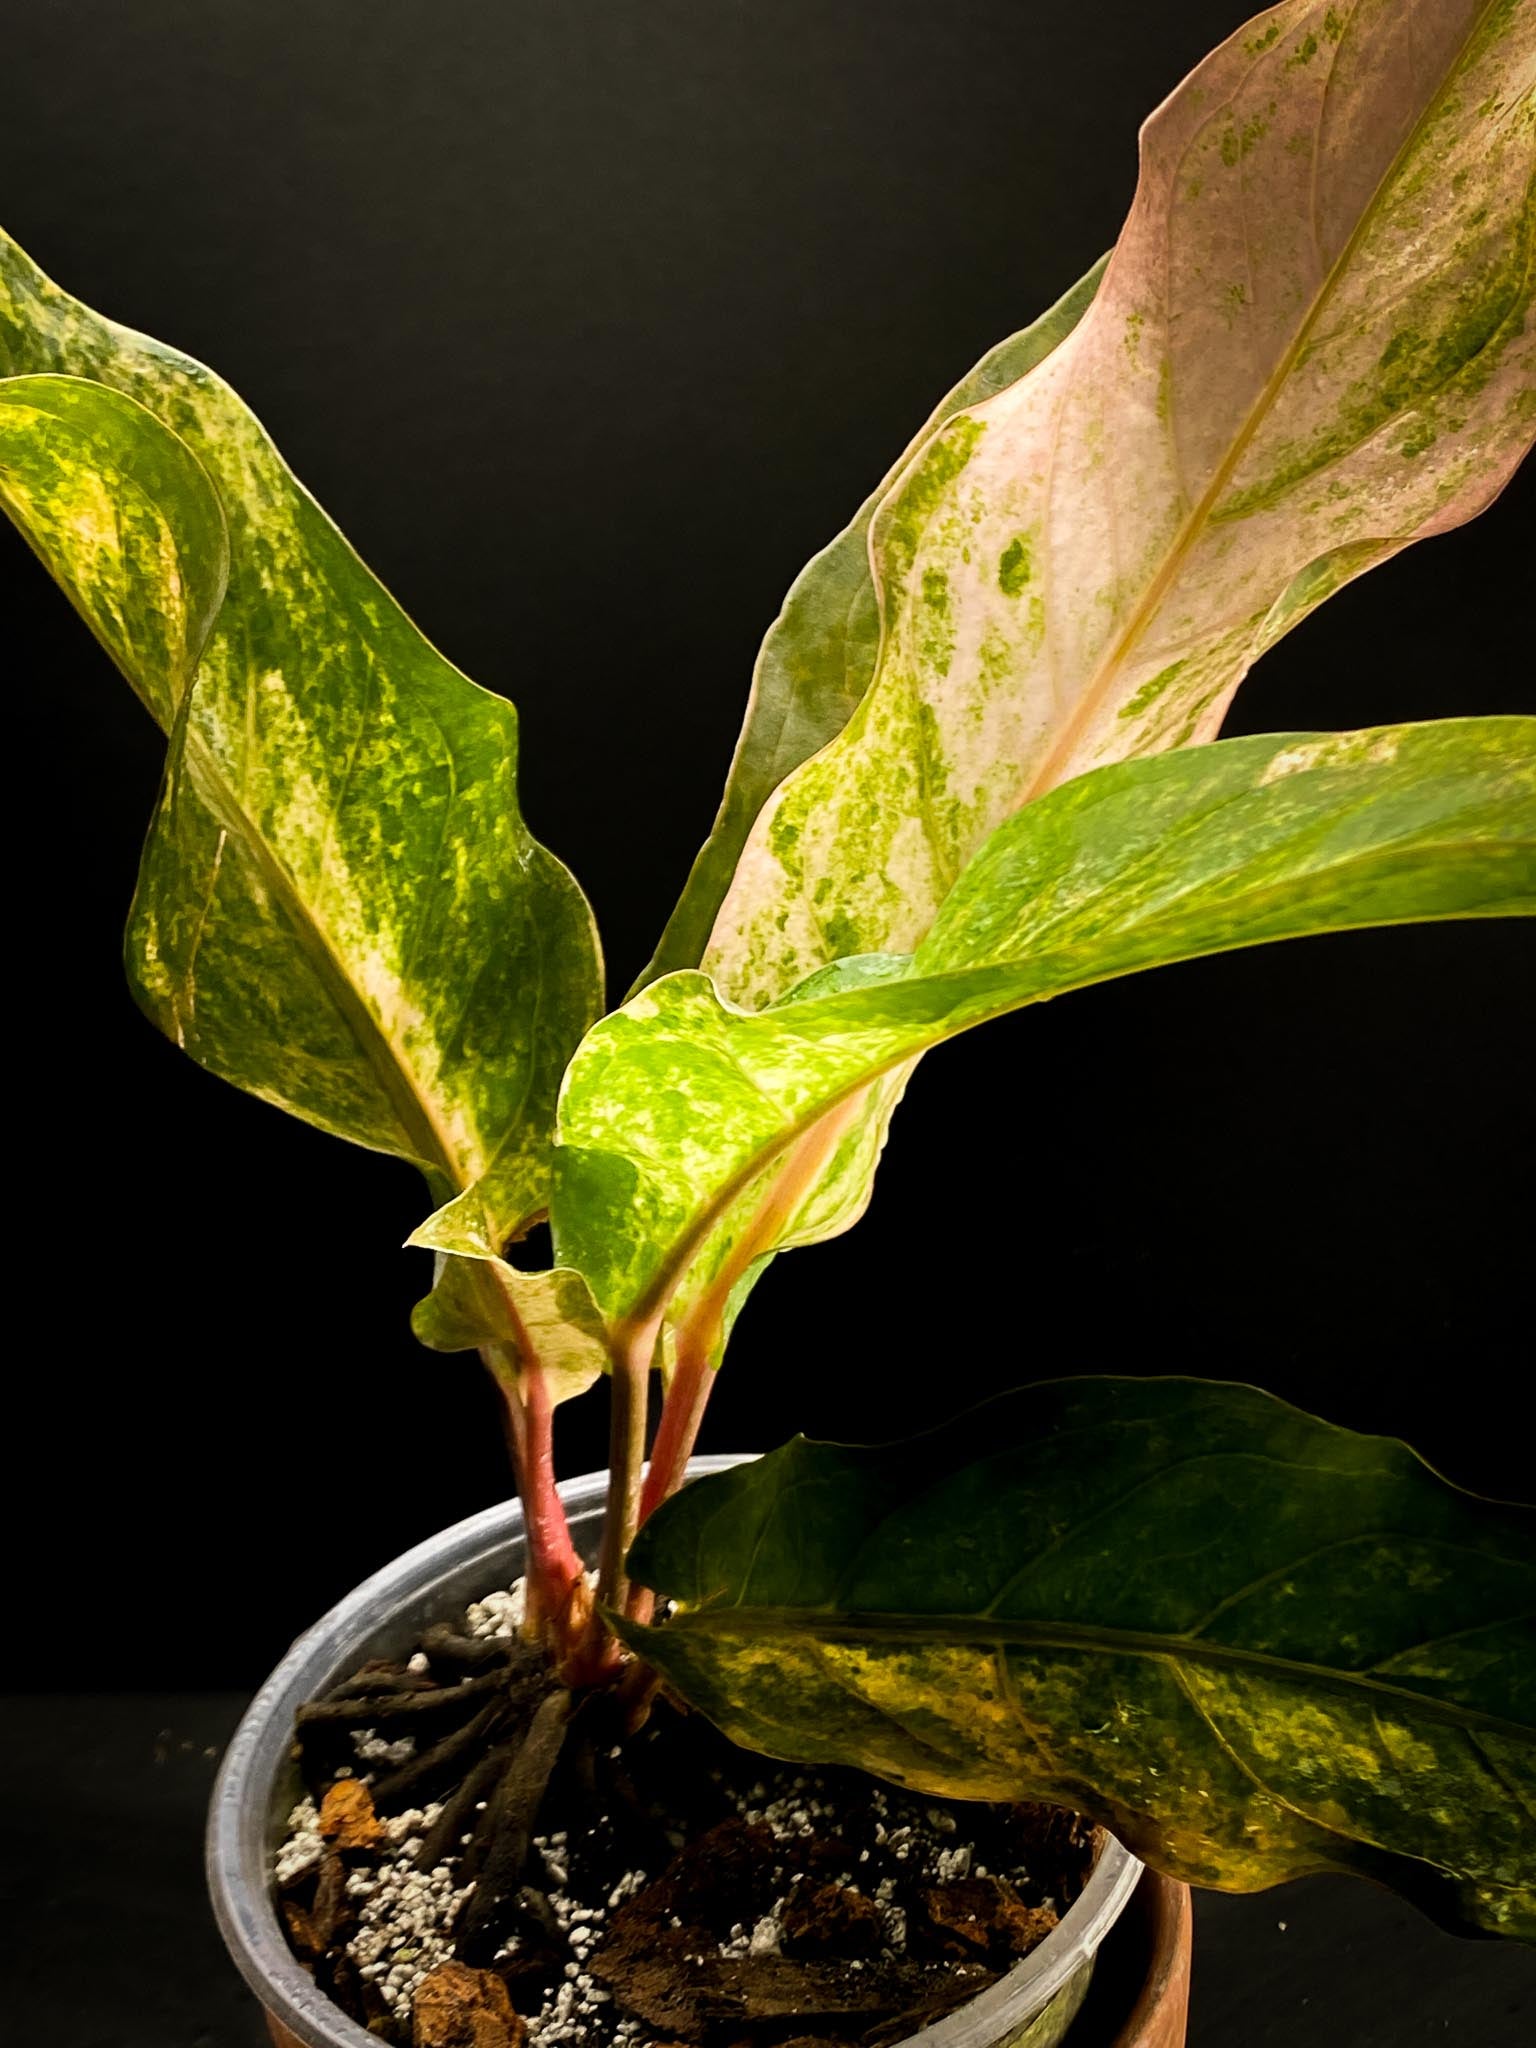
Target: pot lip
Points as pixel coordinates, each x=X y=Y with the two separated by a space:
x=238 y=1860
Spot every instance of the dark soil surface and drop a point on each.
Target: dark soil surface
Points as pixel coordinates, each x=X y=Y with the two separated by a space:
x=485 y=1859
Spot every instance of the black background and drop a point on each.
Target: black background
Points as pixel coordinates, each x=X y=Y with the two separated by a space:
x=589 y=323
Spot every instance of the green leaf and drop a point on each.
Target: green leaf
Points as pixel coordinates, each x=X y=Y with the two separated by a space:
x=819 y=654
x=481 y=1301
x=1251 y=1644
x=489 y=1305
x=340 y=908
x=696 y=1137
x=1313 y=345
x=127 y=520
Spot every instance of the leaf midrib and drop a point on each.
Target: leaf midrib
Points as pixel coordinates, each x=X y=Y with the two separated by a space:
x=395 y=1076
x=1089 y=702
x=854 y=1625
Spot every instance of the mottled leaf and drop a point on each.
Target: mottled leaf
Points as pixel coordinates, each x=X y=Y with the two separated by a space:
x=127 y=520
x=696 y=1137
x=480 y=1300
x=1253 y=1645
x=340 y=907
x=819 y=654
x=1312 y=346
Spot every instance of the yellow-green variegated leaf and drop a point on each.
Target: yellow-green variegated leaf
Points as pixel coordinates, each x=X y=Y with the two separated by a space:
x=695 y=1137
x=481 y=1301
x=819 y=654
x=1251 y=1644
x=1313 y=345
x=340 y=908
x=126 y=518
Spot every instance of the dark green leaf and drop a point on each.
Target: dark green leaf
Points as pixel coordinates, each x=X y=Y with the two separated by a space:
x=1252 y=1644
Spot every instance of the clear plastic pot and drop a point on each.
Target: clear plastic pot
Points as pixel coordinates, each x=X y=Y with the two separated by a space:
x=257 y=1786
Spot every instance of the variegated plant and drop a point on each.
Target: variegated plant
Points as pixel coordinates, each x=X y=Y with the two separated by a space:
x=969 y=780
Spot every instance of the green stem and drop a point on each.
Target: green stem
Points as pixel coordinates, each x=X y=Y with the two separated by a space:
x=626 y=1458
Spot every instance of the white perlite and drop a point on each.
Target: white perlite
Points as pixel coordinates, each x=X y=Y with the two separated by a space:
x=498 y=1614
x=574 y=2009
x=763 y=1938
x=806 y=1809
x=502 y=1614
x=406 y=1915
x=304 y=1846
x=370 y=1747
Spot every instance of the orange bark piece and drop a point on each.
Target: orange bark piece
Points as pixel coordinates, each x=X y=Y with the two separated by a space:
x=301 y=1931
x=347 y=1817
x=457 y=2007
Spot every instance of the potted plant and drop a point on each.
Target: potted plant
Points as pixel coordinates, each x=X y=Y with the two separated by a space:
x=978 y=770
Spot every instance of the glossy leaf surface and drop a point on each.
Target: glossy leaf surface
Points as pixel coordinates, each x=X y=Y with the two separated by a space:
x=684 y=1120
x=1250 y=1643
x=1312 y=346
x=340 y=907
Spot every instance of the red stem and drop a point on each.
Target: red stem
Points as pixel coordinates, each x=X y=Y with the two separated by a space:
x=678 y=1430
x=676 y=1434
x=702 y=1330
x=551 y=1553
x=555 y=1573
